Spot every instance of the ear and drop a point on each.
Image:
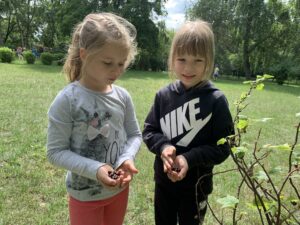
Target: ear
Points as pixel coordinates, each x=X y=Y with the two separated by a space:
x=82 y=53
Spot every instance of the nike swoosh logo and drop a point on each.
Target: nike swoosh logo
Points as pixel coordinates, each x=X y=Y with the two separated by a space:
x=186 y=140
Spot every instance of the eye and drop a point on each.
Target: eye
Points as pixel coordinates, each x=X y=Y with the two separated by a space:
x=181 y=59
x=107 y=63
x=121 y=64
x=199 y=60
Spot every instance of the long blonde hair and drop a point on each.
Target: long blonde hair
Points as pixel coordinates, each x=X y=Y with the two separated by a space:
x=92 y=34
x=194 y=38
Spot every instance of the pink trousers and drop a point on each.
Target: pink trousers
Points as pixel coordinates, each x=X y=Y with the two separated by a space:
x=109 y=211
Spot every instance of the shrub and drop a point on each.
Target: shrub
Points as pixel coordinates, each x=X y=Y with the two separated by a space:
x=6 y=55
x=61 y=62
x=276 y=201
x=281 y=76
x=58 y=56
x=29 y=57
x=47 y=58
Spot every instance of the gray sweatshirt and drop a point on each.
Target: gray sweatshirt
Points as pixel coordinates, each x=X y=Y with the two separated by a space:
x=87 y=130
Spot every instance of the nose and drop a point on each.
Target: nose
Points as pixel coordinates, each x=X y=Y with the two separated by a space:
x=189 y=68
x=117 y=70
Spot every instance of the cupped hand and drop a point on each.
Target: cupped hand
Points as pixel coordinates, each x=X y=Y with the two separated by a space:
x=168 y=156
x=127 y=169
x=103 y=176
x=181 y=164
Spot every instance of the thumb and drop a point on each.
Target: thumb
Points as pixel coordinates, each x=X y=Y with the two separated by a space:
x=132 y=168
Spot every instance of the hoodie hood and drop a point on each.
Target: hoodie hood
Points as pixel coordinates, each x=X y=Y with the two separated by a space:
x=202 y=87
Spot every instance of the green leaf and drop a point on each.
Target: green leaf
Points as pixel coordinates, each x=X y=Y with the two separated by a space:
x=228 y=201
x=221 y=141
x=267 y=76
x=242 y=124
x=244 y=95
x=233 y=149
x=261 y=176
x=239 y=151
x=284 y=147
x=248 y=82
x=260 y=87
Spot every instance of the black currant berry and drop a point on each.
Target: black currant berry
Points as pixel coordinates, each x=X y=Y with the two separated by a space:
x=113 y=175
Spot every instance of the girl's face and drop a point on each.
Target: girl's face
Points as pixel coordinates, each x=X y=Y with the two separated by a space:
x=189 y=69
x=105 y=67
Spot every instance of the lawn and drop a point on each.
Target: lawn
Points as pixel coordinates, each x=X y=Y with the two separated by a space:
x=32 y=191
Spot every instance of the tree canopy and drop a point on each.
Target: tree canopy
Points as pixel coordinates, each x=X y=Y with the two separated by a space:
x=49 y=23
x=252 y=36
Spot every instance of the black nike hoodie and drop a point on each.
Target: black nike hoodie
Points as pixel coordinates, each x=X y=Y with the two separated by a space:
x=192 y=120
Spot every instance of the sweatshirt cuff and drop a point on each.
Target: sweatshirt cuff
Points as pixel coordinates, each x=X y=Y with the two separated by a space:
x=93 y=169
x=189 y=158
x=122 y=159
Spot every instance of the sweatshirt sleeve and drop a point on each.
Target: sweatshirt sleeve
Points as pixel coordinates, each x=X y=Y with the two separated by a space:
x=134 y=136
x=209 y=155
x=58 y=141
x=152 y=133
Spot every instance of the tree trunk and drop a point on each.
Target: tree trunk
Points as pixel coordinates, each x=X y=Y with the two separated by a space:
x=246 y=61
x=246 y=52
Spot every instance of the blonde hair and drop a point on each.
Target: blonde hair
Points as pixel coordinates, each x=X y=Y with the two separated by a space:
x=92 y=34
x=194 y=38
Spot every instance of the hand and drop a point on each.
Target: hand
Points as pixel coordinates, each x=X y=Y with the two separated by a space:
x=168 y=156
x=127 y=168
x=102 y=176
x=180 y=163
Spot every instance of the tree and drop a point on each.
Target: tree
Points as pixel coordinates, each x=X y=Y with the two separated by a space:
x=259 y=32
x=26 y=14
x=138 y=12
x=7 y=22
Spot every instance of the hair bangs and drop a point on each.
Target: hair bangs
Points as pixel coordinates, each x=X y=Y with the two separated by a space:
x=190 y=44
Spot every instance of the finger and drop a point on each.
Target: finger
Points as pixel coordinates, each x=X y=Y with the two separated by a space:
x=132 y=169
x=110 y=182
x=168 y=163
x=123 y=184
x=172 y=178
x=127 y=178
x=165 y=168
x=181 y=174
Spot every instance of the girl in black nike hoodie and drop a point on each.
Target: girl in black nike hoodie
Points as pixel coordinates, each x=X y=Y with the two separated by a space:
x=186 y=121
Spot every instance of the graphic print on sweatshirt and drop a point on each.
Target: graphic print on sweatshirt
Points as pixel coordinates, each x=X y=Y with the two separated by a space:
x=183 y=119
x=103 y=145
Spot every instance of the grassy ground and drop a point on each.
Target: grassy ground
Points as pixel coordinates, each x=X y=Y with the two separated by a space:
x=32 y=191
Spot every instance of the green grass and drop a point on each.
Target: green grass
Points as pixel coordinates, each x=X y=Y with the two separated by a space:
x=33 y=192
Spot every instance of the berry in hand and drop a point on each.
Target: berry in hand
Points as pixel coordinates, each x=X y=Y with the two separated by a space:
x=176 y=169
x=114 y=174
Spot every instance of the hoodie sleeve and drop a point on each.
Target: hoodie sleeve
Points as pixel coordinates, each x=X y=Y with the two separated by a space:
x=209 y=155
x=152 y=133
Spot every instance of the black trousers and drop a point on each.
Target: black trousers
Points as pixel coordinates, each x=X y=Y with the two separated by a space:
x=174 y=204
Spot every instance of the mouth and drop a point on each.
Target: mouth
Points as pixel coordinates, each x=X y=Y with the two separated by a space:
x=188 y=76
